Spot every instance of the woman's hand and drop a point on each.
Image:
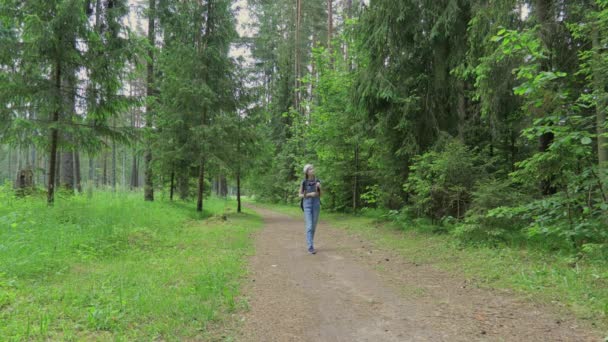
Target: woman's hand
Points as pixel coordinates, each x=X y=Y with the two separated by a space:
x=312 y=194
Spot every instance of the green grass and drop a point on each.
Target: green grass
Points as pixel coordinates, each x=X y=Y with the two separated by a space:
x=578 y=287
x=114 y=267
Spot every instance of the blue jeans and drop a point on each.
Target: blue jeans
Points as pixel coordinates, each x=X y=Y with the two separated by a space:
x=312 y=207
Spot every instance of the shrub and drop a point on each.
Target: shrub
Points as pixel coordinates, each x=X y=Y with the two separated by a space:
x=481 y=221
x=440 y=182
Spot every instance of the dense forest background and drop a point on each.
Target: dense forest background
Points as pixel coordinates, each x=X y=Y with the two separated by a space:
x=486 y=117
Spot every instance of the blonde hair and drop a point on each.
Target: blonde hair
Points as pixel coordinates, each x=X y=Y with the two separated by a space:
x=306 y=168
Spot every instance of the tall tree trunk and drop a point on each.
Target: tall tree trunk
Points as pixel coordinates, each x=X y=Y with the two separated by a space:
x=201 y=45
x=461 y=110
x=10 y=159
x=356 y=180
x=330 y=24
x=45 y=169
x=183 y=184
x=349 y=14
x=19 y=164
x=124 y=169
x=113 y=165
x=91 y=170
x=297 y=55
x=238 y=190
x=67 y=156
x=134 y=172
x=543 y=12
x=172 y=186
x=77 y=174
x=57 y=166
x=201 y=186
x=600 y=106
x=104 y=177
x=34 y=163
x=148 y=177
x=67 y=170
x=223 y=186
x=54 y=137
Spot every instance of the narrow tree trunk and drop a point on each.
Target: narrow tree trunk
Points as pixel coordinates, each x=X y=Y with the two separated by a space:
x=57 y=166
x=600 y=106
x=124 y=169
x=34 y=163
x=330 y=24
x=33 y=157
x=201 y=187
x=104 y=177
x=77 y=174
x=19 y=166
x=461 y=110
x=10 y=164
x=223 y=186
x=67 y=170
x=148 y=185
x=297 y=55
x=171 y=186
x=183 y=184
x=356 y=180
x=45 y=170
x=543 y=12
x=113 y=165
x=134 y=172
x=238 y=190
x=54 y=137
x=512 y=148
x=349 y=15
x=91 y=170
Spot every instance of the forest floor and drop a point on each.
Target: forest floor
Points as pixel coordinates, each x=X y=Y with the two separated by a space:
x=353 y=290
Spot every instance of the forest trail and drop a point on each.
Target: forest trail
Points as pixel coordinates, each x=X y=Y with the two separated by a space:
x=350 y=292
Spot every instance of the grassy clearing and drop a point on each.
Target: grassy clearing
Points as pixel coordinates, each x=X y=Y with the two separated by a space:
x=579 y=286
x=114 y=267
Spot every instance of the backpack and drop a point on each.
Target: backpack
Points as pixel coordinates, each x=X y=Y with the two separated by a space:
x=304 y=187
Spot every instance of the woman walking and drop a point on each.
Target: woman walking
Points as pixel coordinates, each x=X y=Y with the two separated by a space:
x=310 y=192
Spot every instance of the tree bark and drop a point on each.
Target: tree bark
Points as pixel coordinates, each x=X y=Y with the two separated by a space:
x=104 y=175
x=356 y=180
x=223 y=186
x=124 y=169
x=19 y=166
x=54 y=137
x=67 y=170
x=600 y=106
x=201 y=45
x=91 y=170
x=201 y=186
x=10 y=158
x=148 y=177
x=77 y=174
x=330 y=24
x=134 y=172
x=543 y=12
x=58 y=166
x=113 y=165
x=462 y=110
x=238 y=190
x=45 y=169
x=297 y=55
x=171 y=186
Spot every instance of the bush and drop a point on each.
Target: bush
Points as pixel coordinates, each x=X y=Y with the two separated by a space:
x=440 y=182
x=481 y=223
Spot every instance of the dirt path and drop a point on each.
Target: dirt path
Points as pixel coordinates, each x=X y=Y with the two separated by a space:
x=348 y=292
